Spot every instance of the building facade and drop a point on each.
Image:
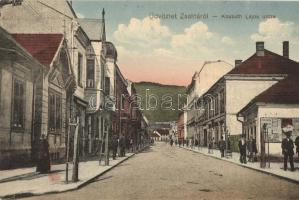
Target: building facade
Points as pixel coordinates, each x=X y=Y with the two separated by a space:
x=210 y=72
x=235 y=90
x=19 y=71
x=270 y=114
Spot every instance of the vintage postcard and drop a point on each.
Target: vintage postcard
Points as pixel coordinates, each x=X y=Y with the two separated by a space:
x=157 y=100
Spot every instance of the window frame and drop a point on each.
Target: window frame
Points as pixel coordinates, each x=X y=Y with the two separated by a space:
x=107 y=86
x=52 y=126
x=88 y=72
x=22 y=82
x=79 y=70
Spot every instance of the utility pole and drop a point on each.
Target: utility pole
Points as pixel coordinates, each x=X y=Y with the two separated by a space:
x=68 y=151
x=76 y=157
x=263 y=159
x=107 y=148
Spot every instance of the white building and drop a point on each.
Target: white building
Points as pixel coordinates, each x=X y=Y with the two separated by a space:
x=202 y=80
x=269 y=113
x=236 y=89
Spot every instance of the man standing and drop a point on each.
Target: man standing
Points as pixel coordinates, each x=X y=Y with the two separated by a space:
x=297 y=145
x=43 y=158
x=222 y=146
x=287 y=146
x=242 y=148
x=114 y=146
x=122 y=145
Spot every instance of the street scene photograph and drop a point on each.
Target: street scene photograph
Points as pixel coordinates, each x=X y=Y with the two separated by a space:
x=148 y=99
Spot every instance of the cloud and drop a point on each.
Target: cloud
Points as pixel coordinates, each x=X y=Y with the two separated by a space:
x=149 y=50
x=273 y=30
x=227 y=40
x=80 y=15
x=195 y=34
x=143 y=33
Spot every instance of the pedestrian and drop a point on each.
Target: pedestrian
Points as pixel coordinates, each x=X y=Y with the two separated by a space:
x=287 y=146
x=43 y=156
x=122 y=145
x=131 y=145
x=250 y=149
x=222 y=146
x=254 y=149
x=242 y=149
x=171 y=142
x=210 y=146
x=114 y=146
x=297 y=145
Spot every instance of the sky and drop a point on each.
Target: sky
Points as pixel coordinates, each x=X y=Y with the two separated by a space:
x=169 y=50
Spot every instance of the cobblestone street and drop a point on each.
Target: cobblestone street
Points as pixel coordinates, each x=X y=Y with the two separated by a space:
x=164 y=172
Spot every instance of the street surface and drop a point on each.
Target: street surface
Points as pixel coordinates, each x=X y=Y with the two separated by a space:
x=164 y=172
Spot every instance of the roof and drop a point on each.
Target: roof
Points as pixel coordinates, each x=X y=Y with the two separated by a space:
x=92 y=27
x=43 y=47
x=270 y=63
x=163 y=131
x=209 y=73
x=9 y=44
x=111 y=51
x=284 y=92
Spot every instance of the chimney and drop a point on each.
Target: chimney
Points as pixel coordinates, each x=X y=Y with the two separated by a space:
x=260 y=51
x=238 y=62
x=285 y=49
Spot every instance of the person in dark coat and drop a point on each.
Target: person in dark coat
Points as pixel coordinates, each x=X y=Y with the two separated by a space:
x=222 y=146
x=43 y=156
x=249 y=149
x=297 y=145
x=287 y=147
x=254 y=149
x=171 y=142
x=122 y=145
x=114 y=146
x=242 y=148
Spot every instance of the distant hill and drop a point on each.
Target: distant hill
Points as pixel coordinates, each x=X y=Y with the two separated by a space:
x=169 y=99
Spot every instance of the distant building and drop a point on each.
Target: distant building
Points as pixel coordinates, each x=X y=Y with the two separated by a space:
x=202 y=80
x=181 y=126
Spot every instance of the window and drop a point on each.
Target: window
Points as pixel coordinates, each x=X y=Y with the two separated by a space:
x=222 y=106
x=102 y=75
x=217 y=104
x=18 y=104
x=90 y=73
x=79 y=73
x=54 y=112
x=107 y=85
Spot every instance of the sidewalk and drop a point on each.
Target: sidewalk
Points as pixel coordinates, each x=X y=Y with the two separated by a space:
x=18 y=183
x=275 y=169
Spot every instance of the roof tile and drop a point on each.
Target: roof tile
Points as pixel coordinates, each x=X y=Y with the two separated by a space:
x=270 y=63
x=43 y=47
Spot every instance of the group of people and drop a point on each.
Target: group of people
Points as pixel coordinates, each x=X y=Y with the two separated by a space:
x=287 y=146
x=120 y=143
